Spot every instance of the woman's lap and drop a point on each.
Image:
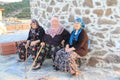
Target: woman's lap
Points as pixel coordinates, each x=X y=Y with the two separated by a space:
x=66 y=61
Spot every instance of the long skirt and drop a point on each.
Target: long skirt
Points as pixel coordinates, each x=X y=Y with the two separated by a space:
x=32 y=50
x=66 y=61
x=48 y=51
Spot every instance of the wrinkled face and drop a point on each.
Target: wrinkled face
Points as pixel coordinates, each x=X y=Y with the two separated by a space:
x=55 y=23
x=77 y=25
x=34 y=25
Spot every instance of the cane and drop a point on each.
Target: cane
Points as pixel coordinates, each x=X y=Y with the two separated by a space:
x=34 y=60
x=26 y=65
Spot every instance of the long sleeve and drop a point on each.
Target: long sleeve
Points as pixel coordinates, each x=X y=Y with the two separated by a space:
x=36 y=34
x=66 y=36
x=41 y=34
x=82 y=46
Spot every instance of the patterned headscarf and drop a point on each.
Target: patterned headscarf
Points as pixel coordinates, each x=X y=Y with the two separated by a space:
x=81 y=22
x=52 y=31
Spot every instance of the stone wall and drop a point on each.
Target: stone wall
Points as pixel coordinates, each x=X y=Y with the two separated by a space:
x=102 y=18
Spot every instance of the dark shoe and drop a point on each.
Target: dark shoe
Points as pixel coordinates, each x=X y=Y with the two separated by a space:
x=36 y=67
x=53 y=65
x=56 y=68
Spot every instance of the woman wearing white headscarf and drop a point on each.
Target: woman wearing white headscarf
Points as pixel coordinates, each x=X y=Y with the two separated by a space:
x=65 y=59
x=55 y=37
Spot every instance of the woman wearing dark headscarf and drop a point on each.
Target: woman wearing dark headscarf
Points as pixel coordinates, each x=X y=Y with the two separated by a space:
x=55 y=37
x=35 y=36
x=65 y=59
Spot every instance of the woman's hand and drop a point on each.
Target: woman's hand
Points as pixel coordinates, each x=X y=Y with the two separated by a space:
x=42 y=44
x=67 y=49
x=27 y=44
x=33 y=43
x=72 y=48
x=67 y=46
x=74 y=55
x=63 y=41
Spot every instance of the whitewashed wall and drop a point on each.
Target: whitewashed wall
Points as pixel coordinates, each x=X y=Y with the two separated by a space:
x=102 y=18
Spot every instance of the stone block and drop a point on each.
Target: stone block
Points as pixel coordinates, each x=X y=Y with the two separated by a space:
x=87 y=11
x=106 y=21
x=92 y=61
x=65 y=8
x=98 y=12
x=112 y=58
x=77 y=11
x=86 y=20
x=110 y=43
x=99 y=53
x=108 y=12
x=71 y=18
x=75 y=3
x=36 y=11
x=100 y=35
x=52 y=2
x=49 y=9
x=116 y=31
x=98 y=3
x=111 y=2
x=88 y=3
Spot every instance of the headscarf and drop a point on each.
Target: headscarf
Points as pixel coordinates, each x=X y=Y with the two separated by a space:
x=75 y=36
x=81 y=22
x=53 y=31
x=34 y=32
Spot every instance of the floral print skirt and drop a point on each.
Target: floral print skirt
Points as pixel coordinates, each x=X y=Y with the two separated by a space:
x=66 y=61
x=21 y=51
x=48 y=51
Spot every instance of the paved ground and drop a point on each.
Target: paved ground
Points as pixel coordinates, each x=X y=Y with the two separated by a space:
x=12 y=70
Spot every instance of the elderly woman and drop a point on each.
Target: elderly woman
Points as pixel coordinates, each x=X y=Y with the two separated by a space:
x=55 y=37
x=35 y=36
x=65 y=59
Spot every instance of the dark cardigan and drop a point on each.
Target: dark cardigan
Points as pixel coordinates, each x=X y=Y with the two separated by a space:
x=81 y=45
x=39 y=33
x=56 y=41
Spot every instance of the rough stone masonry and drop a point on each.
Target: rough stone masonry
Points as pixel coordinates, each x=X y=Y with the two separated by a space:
x=102 y=18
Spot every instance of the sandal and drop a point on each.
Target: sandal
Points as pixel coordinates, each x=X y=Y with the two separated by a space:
x=36 y=66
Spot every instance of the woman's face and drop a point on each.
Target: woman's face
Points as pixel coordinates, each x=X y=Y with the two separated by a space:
x=34 y=25
x=55 y=23
x=77 y=25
